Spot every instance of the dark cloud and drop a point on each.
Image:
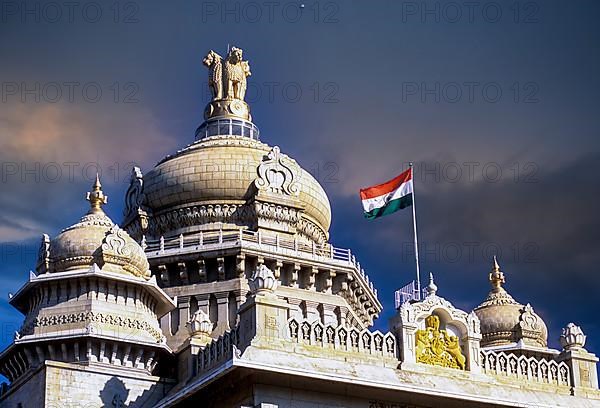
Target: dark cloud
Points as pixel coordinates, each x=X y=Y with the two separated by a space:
x=354 y=125
x=546 y=233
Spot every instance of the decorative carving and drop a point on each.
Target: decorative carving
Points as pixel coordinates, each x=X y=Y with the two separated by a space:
x=275 y=176
x=531 y=327
x=262 y=281
x=410 y=311
x=523 y=368
x=200 y=324
x=311 y=231
x=134 y=195
x=115 y=242
x=119 y=249
x=347 y=340
x=529 y=320
x=93 y=318
x=572 y=337
x=436 y=346
x=43 y=261
x=201 y=214
x=278 y=213
x=474 y=323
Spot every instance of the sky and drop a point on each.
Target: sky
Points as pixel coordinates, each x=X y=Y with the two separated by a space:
x=495 y=103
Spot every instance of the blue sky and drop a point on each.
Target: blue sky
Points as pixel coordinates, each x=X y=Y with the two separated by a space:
x=496 y=104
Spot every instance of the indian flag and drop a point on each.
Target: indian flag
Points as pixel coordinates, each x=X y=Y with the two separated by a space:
x=388 y=197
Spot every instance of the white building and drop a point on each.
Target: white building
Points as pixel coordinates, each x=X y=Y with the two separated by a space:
x=221 y=289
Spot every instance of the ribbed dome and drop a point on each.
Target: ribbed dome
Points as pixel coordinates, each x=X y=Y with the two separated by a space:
x=505 y=321
x=95 y=239
x=221 y=171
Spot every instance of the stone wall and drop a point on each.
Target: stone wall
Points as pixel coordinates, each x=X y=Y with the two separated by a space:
x=72 y=386
x=64 y=385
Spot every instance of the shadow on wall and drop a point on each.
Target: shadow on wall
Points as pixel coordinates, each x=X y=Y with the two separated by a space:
x=114 y=394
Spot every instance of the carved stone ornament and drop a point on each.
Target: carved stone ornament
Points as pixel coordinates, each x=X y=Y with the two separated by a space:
x=199 y=324
x=263 y=281
x=436 y=346
x=572 y=337
x=116 y=243
x=119 y=249
x=43 y=261
x=529 y=320
x=531 y=327
x=275 y=176
x=92 y=320
x=134 y=195
x=411 y=311
x=238 y=214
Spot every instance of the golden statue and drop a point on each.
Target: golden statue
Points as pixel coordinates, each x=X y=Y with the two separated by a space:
x=214 y=62
x=227 y=83
x=437 y=347
x=235 y=72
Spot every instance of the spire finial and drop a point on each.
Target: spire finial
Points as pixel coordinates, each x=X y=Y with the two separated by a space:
x=432 y=287
x=96 y=197
x=496 y=276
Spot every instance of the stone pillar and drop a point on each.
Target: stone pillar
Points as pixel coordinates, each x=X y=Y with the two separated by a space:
x=240 y=265
x=163 y=274
x=221 y=269
x=277 y=270
x=329 y=317
x=202 y=302
x=183 y=303
x=222 y=313
x=201 y=270
x=312 y=311
x=343 y=316
x=582 y=364
x=311 y=278
x=472 y=342
x=263 y=317
x=294 y=278
x=199 y=328
x=328 y=281
x=405 y=338
x=295 y=309
x=183 y=273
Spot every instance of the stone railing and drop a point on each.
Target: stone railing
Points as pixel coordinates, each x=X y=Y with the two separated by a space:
x=342 y=338
x=525 y=368
x=217 y=351
x=276 y=244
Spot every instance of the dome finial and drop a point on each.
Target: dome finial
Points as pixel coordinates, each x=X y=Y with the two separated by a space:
x=496 y=276
x=432 y=287
x=96 y=197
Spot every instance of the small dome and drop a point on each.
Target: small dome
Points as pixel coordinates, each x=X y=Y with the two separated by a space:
x=504 y=321
x=95 y=239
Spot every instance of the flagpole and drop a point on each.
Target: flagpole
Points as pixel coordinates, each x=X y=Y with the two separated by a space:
x=415 y=231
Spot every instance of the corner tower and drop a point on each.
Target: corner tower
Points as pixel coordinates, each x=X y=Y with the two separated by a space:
x=91 y=332
x=226 y=204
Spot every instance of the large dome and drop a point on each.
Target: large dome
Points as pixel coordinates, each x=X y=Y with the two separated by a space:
x=227 y=179
x=504 y=321
x=95 y=239
x=220 y=173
